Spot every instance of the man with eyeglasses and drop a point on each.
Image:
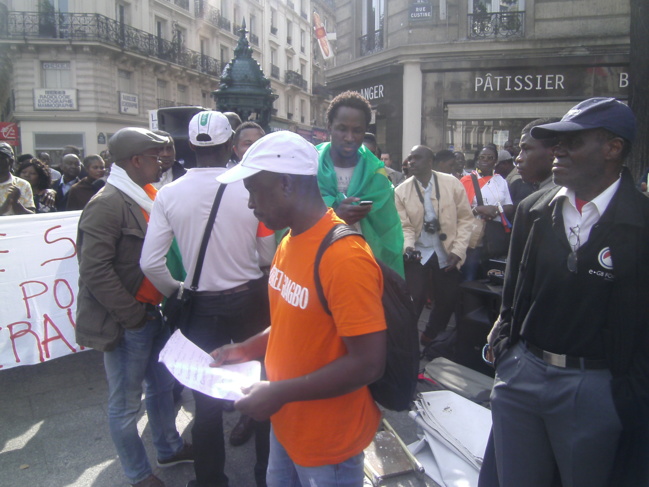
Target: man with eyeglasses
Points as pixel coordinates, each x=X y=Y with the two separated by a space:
x=571 y=342
x=118 y=308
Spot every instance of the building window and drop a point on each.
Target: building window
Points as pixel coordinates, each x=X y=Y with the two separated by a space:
x=302 y=41
x=205 y=99
x=289 y=63
x=289 y=32
x=289 y=107
x=225 y=57
x=303 y=113
x=496 y=18
x=372 y=25
x=183 y=95
x=162 y=94
x=273 y=21
x=125 y=81
x=56 y=74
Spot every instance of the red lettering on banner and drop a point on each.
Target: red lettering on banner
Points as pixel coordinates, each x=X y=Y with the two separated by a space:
x=74 y=325
x=74 y=245
x=3 y=251
x=27 y=298
x=13 y=336
x=59 y=336
x=56 y=294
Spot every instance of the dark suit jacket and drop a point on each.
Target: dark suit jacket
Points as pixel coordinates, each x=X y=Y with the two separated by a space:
x=109 y=243
x=61 y=200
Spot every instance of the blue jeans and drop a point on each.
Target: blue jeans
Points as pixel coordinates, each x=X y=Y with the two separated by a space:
x=283 y=472
x=135 y=360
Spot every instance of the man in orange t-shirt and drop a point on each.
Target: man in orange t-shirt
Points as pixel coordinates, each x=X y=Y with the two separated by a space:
x=318 y=365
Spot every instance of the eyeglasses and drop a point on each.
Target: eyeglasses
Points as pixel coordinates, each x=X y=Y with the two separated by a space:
x=155 y=156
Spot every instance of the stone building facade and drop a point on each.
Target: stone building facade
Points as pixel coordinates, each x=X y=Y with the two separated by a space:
x=462 y=73
x=75 y=71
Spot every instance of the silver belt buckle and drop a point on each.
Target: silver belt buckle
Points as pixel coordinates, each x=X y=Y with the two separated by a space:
x=554 y=359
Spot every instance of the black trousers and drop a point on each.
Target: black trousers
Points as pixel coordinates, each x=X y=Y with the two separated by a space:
x=444 y=287
x=216 y=321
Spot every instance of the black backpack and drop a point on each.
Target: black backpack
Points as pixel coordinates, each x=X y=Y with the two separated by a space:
x=396 y=388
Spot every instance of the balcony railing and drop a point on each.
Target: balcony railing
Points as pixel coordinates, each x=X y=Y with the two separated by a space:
x=274 y=71
x=499 y=24
x=294 y=78
x=165 y=103
x=254 y=39
x=235 y=29
x=99 y=28
x=372 y=43
x=181 y=3
x=224 y=23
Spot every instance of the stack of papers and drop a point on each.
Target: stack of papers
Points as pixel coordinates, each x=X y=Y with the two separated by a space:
x=453 y=439
x=191 y=366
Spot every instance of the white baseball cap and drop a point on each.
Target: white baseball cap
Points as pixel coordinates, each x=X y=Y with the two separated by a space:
x=280 y=152
x=209 y=128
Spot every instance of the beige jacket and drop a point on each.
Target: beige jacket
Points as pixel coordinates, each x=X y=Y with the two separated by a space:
x=453 y=212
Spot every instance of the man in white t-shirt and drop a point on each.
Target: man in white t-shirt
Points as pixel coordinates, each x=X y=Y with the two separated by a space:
x=230 y=302
x=495 y=202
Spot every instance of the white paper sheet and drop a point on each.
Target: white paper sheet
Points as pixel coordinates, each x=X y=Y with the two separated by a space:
x=455 y=432
x=191 y=366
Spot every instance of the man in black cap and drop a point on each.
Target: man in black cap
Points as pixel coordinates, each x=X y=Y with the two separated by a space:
x=571 y=342
x=118 y=308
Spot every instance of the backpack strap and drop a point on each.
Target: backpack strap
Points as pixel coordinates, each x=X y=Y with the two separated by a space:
x=336 y=233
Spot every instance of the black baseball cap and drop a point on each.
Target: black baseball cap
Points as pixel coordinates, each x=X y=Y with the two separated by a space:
x=594 y=113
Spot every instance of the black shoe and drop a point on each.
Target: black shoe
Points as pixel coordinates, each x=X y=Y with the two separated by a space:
x=185 y=455
x=242 y=431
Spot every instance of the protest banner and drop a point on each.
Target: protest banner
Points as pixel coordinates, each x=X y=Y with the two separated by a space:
x=38 y=287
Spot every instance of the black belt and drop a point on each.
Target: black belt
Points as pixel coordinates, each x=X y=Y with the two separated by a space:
x=234 y=290
x=566 y=361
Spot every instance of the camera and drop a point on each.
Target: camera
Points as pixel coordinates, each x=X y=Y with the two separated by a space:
x=433 y=227
x=412 y=256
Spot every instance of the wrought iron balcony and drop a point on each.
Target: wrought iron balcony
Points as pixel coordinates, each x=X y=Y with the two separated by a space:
x=274 y=71
x=320 y=90
x=99 y=28
x=372 y=43
x=165 y=103
x=254 y=39
x=293 y=78
x=181 y=3
x=498 y=24
x=224 y=23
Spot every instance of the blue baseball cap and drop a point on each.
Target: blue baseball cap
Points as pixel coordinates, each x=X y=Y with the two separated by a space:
x=594 y=113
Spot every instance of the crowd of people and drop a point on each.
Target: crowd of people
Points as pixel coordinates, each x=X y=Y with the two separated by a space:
x=238 y=234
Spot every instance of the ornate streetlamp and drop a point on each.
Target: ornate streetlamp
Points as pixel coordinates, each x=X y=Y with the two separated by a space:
x=244 y=89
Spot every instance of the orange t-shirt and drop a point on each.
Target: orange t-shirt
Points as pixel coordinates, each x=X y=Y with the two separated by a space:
x=304 y=338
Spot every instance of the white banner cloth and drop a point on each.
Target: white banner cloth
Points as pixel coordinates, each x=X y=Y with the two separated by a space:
x=38 y=287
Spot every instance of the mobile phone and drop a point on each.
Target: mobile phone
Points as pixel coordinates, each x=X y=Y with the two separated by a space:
x=365 y=202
